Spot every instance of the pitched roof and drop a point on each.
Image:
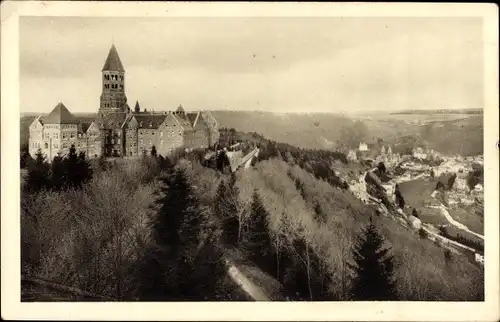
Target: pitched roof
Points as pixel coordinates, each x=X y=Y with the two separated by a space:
x=113 y=120
x=182 y=119
x=191 y=117
x=180 y=109
x=83 y=127
x=113 y=61
x=149 y=121
x=60 y=115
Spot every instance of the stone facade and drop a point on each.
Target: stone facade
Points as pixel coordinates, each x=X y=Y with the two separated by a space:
x=119 y=131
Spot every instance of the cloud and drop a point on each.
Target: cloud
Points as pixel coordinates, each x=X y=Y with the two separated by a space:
x=276 y=64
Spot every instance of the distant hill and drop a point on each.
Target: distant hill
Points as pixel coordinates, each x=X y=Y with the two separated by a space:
x=478 y=111
x=323 y=131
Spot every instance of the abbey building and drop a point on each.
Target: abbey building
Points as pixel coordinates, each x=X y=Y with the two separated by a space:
x=119 y=130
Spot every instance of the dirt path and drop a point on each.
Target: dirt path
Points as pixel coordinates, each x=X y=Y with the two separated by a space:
x=254 y=291
x=455 y=223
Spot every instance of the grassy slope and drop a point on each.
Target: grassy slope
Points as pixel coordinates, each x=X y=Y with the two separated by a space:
x=422 y=273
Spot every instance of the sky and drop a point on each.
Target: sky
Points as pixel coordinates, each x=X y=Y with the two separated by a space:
x=282 y=64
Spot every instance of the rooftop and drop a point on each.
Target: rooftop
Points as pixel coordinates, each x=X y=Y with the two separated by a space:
x=60 y=115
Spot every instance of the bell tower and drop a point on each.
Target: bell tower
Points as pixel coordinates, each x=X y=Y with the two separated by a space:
x=113 y=97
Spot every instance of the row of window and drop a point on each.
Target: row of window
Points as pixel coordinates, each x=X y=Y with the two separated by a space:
x=59 y=126
x=36 y=145
x=161 y=133
x=114 y=86
x=113 y=77
x=47 y=136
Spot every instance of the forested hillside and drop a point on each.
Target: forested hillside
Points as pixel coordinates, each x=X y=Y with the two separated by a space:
x=157 y=229
x=329 y=221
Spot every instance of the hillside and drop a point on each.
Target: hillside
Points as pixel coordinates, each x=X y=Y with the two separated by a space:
x=451 y=135
x=332 y=228
x=463 y=135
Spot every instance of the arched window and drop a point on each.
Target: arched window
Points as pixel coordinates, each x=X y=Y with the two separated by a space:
x=46 y=145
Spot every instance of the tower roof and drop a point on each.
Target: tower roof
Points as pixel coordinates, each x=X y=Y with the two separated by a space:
x=60 y=115
x=180 y=109
x=113 y=61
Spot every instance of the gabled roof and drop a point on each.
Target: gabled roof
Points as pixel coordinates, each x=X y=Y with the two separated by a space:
x=60 y=115
x=113 y=120
x=113 y=61
x=83 y=127
x=192 y=118
x=149 y=121
x=38 y=119
x=180 y=109
x=182 y=119
x=209 y=118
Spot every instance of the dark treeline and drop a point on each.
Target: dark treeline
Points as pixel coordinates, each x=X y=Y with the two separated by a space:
x=112 y=237
x=317 y=162
x=70 y=171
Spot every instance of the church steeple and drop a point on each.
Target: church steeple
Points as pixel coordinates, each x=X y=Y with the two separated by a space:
x=113 y=62
x=113 y=97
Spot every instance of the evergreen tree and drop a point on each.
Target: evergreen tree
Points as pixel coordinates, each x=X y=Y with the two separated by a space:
x=257 y=241
x=373 y=268
x=400 y=201
x=381 y=168
x=71 y=168
x=58 y=174
x=176 y=233
x=83 y=168
x=25 y=158
x=154 y=153
x=38 y=173
x=226 y=208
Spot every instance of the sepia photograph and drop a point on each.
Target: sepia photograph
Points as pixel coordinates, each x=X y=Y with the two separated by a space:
x=249 y=158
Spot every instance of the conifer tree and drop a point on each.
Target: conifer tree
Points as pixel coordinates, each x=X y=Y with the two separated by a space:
x=58 y=175
x=400 y=201
x=257 y=241
x=83 y=168
x=176 y=232
x=226 y=208
x=154 y=153
x=38 y=173
x=25 y=158
x=71 y=168
x=373 y=268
